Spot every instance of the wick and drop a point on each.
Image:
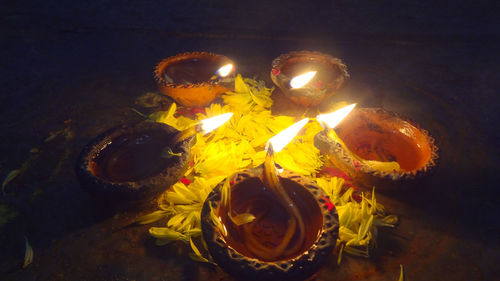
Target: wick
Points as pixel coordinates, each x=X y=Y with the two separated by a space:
x=187 y=133
x=272 y=183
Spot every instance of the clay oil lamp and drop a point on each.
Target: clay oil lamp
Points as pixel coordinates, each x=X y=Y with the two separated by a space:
x=130 y=165
x=377 y=148
x=270 y=224
x=308 y=78
x=194 y=79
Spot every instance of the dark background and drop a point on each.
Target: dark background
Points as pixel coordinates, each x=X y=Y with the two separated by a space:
x=86 y=62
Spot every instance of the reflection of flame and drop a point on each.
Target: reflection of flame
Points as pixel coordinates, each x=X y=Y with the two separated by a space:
x=210 y=124
x=301 y=80
x=334 y=118
x=223 y=226
x=224 y=70
x=284 y=137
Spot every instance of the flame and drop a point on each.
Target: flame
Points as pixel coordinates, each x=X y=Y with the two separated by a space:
x=213 y=123
x=280 y=140
x=301 y=80
x=224 y=70
x=334 y=118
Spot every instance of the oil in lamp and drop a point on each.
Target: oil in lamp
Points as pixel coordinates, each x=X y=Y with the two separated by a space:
x=194 y=79
x=377 y=147
x=308 y=78
x=132 y=164
x=270 y=224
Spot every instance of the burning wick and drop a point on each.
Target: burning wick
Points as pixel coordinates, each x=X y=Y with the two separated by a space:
x=279 y=141
x=224 y=70
x=204 y=126
x=301 y=80
x=273 y=184
x=276 y=144
x=330 y=120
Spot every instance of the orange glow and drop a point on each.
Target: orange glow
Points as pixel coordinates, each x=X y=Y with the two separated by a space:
x=280 y=140
x=213 y=123
x=334 y=118
x=301 y=80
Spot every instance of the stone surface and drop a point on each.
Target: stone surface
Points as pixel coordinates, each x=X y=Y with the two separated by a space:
x=86 y=62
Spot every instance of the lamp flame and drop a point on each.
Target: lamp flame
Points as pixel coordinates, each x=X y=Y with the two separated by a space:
x=301 y=80
x=224 y=70
x=280 y=140
x=210 y=124
x=334 y=118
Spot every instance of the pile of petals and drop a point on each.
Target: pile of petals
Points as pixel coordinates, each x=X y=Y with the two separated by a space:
x=239 y=145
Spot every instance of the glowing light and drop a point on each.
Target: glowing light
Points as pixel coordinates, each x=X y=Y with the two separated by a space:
x=280 y=140
x=213 y=123
x=301 y=80
x=224 y=70
x=407 y=131
x=334 y=118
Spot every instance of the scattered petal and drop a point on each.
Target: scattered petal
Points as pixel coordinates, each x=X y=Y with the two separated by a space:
x=196 y=254
x=28 y=254
x=10 y=176
x=242 y=219
x=167 y=233
x=186 y=181
x=402 y=276
x=150 y=218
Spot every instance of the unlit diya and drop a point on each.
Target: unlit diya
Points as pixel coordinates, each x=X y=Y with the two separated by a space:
x=194 y=79
x=377 y=147
x=249 y=251
x=133 y=163
x=328 y=75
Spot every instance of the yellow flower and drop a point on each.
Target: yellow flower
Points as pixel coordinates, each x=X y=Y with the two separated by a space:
x=184 y=202
x=249 y=95
x=238 y=145
x=358 y=220
x=167 y=117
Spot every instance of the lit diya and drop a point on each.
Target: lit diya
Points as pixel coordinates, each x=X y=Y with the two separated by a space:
x=308 y=78
x=135 y=163
x=376 y=147
x=194 y=79
x=269 y=224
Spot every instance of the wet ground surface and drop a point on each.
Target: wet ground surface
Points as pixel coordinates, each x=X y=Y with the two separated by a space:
x=79 y=68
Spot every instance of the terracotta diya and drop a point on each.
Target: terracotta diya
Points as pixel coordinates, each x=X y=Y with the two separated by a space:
x=269 y=225
x=238 y=249
x=136 y=163
x=308 y=78
x=377 y=147
x=194 y=79
x=133 y=163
